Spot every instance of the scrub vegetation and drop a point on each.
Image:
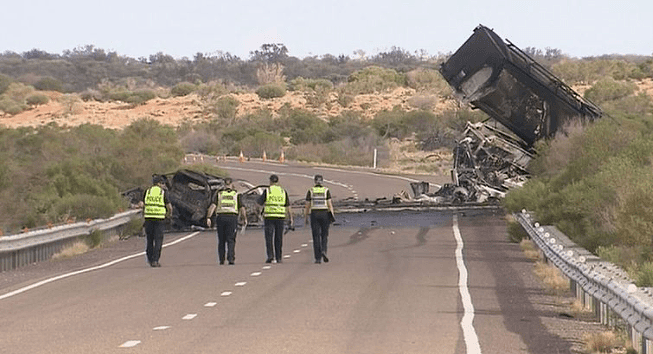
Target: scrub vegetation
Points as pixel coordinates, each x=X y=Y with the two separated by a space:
x=593 y=182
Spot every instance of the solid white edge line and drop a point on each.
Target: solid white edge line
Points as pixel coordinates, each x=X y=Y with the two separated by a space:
x=108 y=264
x=467 y=325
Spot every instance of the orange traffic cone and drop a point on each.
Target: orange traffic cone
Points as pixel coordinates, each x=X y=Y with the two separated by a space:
x=241 y=158
x=282 y=158
x=264 y=157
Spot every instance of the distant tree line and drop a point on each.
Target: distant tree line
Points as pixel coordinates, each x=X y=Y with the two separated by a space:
x=87 y=67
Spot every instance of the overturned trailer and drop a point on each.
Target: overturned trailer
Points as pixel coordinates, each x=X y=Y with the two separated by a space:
x=526 y=102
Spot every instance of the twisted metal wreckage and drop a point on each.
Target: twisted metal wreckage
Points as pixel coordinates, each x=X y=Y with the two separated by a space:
x=525 y=102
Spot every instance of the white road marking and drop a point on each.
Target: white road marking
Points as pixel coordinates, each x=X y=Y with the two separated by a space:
x=467 y=323
x=130 y=344
x=267 y=267
x=304 y=244
x=160 y=328
x=296 y=251
x=81 y=271
x=190 y=316
x=226 y=293
x=210 y=304
x=242 y=283
x=286 y=256
x=255 y=274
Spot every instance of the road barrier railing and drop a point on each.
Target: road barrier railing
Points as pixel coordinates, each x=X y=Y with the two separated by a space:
x=39 y=245
x=601 y=286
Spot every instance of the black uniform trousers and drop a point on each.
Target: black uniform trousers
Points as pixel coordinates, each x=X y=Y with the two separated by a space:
x=320 y=221
x=226 y=225
x=153 y=238
x=274 y=237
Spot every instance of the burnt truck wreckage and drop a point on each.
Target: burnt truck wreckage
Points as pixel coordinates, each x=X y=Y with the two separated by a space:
x=525 y=103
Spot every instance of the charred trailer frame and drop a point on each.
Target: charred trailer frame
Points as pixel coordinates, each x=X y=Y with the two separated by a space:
x=528 y=102
x=508 y=85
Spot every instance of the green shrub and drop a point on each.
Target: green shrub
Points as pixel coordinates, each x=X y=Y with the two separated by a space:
x=271 y=91
x=302 y=84
x=49 y=84
x=10 y=106
x=226 y=107
x=374 y=79
x=428 y=80
x=95 y=238
x=4 y=83
x=644 y=276
x=183 y=89
x=608 y=89
x=516 y=232
x=140 y=96
x=35 y=100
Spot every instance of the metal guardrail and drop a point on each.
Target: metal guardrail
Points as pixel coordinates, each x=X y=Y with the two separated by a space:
x=600 y=285
x=39 y=245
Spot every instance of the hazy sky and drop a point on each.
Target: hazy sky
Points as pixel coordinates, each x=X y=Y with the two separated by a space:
x=138 y=28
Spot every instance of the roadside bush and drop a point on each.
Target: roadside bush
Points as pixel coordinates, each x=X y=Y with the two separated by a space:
x=428 y=80
x=608 y=89
x=49 y=84
x=226 y=107
x=4 y=83
x=94 y=238
x=374 y=79
x=10 y=106
x=269 y=91
x=302 y=84
x=35 y=100
x=183 y=89
x=140 y=96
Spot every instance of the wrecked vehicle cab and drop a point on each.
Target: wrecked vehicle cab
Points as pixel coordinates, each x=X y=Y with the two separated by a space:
x=191 y=193
x=526 y=103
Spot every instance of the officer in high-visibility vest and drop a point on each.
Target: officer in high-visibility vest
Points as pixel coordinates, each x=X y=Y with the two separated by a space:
x=320 y=210
x=156 y=208
x=276 y=208
x=229 y=207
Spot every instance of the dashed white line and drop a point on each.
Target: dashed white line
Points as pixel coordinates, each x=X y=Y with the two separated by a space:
x=210 y=304
x=242 y=283
x=467 y=323
x=286 y=256
x=255 y=274
x=296 y=251
x=62 y=276
x=266 y=267
x=190 y=316
x=226 y=293
x=304 y=244
x=160 y=328
x=130 y=344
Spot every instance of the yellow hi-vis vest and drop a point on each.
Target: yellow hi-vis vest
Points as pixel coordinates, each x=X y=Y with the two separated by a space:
x=227 y=202
x=319 y=198
x=155 y=207
x=275 y=201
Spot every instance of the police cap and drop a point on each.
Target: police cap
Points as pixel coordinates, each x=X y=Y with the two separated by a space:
x=274 y=178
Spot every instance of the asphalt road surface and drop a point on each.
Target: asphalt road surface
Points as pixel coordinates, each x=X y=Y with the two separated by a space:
x=397 y=282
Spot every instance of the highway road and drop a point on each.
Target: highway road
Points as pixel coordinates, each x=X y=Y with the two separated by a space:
x=397 y=282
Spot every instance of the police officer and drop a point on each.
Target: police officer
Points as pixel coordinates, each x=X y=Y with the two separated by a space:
x=228 y=207
x=320 y=210
x=276 y=208
x=156 y=208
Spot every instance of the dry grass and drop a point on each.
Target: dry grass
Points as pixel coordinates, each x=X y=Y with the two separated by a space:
x=68 y=252
x=551 y=277
x=603 y=342
x=529 y=249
